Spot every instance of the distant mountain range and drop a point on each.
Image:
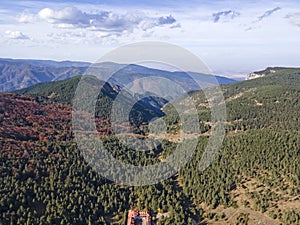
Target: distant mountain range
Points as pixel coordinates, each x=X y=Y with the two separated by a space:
x=47 y=63
x=20 y=73
x=16 y=74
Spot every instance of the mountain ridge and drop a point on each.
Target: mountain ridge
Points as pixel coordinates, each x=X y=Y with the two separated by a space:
x=270 y=71
x=19 y=73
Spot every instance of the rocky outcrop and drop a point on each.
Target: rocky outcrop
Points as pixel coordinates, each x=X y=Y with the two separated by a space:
x=262 y=73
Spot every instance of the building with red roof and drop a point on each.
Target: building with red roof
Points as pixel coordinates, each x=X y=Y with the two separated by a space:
x=136 y=217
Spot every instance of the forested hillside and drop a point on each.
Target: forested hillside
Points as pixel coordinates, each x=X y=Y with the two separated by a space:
x=64 y=91
x=255 y=179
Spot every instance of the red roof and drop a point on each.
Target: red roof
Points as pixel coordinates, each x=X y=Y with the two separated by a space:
x=132 y=214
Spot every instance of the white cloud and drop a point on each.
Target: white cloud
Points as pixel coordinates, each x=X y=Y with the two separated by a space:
x=68 y=15
x=26 y=18
x=294 y=19
x=225 y=15
x=261 y=18
x=105 y=21
x=150 y=23
x=85 y=31
x=16 y=35
x=166 y=20
x=268 y=13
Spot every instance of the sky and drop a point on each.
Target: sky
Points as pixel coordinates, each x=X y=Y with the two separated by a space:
x=231 y=37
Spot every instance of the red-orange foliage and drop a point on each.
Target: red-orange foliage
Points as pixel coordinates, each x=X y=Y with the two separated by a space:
x=26 y=123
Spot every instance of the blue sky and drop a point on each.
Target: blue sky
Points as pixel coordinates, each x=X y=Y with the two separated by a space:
x=231 y=37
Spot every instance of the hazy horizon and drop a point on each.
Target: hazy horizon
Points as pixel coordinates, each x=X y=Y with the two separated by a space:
x=231 y=37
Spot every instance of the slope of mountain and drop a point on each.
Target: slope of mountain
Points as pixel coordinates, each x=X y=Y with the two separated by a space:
x=255 y=179
x=269 y=71
x=259 y=154
x=64 y=91
x=266 y=102
x=16 y=74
